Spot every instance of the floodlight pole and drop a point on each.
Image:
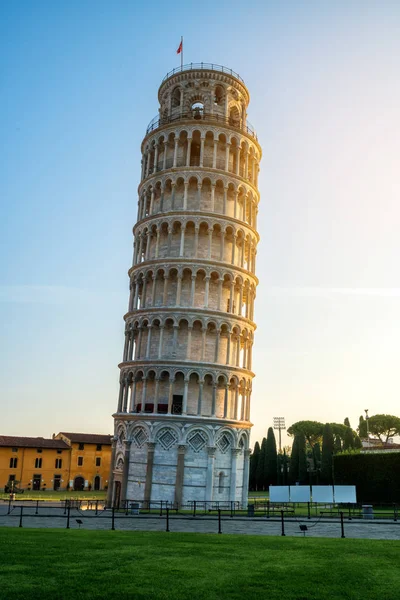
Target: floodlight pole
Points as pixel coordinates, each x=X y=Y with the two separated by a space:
x=279 y=424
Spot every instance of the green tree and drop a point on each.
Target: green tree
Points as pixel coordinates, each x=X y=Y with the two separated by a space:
x=260 y=473
x=348 y=441
x=338 y=444
x=362 y=427
x=312 y=430
x=357 y=443
x=271 y=459
x=347 y=422
x=327 y=454
x=294 y=460
x=384 y=427
x=253 y=466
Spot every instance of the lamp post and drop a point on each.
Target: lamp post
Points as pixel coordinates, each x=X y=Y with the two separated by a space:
x=367 y=418
x=279 y=423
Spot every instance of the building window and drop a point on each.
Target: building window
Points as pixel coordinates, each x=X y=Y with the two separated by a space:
x=58 y=463
x=81 y=447
x=38 y=463
x=80 y=461
x=98 y=461
x=39 y=451
x=98 y=447
x=13 y=463
x=14 y=450
x=56 y=482
x=59 y=451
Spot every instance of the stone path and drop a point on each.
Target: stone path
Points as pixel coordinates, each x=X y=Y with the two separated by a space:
x=55 y=518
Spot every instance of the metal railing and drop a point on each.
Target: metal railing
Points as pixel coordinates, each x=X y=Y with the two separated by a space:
x=198 y=115
x=205 y=66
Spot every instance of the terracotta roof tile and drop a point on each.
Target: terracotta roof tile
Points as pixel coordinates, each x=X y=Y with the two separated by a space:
x=87 y=438
x=31 y=442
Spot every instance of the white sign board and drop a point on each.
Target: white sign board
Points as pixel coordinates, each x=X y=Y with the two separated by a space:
x=279 y=493
x=345 y=493
x=300 y=493
x=322 y=493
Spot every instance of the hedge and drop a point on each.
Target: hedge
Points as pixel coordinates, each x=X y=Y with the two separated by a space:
x=376 y=476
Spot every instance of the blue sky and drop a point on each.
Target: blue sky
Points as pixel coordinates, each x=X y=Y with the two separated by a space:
x=79 y=84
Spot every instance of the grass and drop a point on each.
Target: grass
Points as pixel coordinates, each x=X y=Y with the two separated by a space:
x=56 y=496
x=82 y=565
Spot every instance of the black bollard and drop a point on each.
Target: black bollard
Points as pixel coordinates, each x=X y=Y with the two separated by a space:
x=37 y=507
x=283 y=522
x=342 y=524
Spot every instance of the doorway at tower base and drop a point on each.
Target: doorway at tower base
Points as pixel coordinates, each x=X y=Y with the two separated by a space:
x=180 y=464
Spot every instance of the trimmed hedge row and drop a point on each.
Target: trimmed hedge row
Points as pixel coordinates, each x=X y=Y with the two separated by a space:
x=376 y=476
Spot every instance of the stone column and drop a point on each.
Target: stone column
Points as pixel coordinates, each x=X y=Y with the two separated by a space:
x=232 y=491
x=196 y=240
x=149 y=328
x=206 y=290
x=160 y=343
x=111 y=476
x=214 y=164
x=149 y=472
x=139 y=342
x=214 y=400
x=210 y=473
x=173 y=196
x=225 y=207
x=133 y=395
x=212 y=197
x=179 y=474
x=126 y=394
x=227 y=157
x=201 y=151
x=126 y=346
x=222 y=253
x=144 y=289
x=245 y=489
x=235 y=416
x=210 y=236
x=219 y=299
x=234 y=237
x=165 y=156
x=125 y=473
x=185 y=397
x=132 y=345
x=155 y=405
x=182 y=244
x=228 y=349
x=216 y=356
x=193 y=290
x=175 y=152
x=157 y=244
x=178 y=290
x=144 y=395
x=185 y=195
x=226 y=400
x=153 y=290
x=170 y=395
x=188 y=152
x=200 y=398
x=165 y=295
x=151 y=201
x=121 y=395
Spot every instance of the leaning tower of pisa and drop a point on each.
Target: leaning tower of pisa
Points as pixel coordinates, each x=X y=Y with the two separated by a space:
x=182 y=423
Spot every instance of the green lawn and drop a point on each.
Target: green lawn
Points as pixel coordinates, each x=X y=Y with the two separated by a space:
x=54 y=496
x=74 y=564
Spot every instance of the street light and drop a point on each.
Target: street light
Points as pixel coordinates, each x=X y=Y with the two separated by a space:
x=279 y=423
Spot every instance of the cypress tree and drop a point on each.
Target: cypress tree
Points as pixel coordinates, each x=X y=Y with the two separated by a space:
x=357 y=442
x=362 y=427
x=347 y=422
x=338 y=444
x=327 y=454
x=260 y=472
x=302 y=459
x=348 y=441
x=271 y=459
x=317 y=460
x=294 y=461
x=253 y=466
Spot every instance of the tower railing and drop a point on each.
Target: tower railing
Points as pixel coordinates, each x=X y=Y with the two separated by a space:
x=206 y=66
x=201 y=115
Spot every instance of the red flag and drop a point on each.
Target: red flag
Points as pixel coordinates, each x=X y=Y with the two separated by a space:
x=180 y=48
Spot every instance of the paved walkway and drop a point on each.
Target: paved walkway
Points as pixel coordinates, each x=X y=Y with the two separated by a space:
x=56 y=518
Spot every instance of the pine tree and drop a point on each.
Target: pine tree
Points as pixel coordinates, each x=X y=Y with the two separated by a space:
x=253 y=466
x=347 y=422
x=327 y=454
x=260 y=473
x=271 y=459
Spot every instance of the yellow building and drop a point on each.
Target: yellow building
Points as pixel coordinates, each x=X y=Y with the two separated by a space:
x=90 y=460
x=35 y=463
x=75 y=461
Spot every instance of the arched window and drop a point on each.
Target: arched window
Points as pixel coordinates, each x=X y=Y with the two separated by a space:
x=176 y=97
x=197 y=110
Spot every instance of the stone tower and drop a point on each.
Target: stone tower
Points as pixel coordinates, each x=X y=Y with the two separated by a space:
x=182 y=424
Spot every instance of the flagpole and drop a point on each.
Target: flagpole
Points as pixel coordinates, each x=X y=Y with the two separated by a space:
x=182 y=51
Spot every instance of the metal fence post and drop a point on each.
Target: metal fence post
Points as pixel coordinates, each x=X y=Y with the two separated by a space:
x=167 y=529
x=68 y=514
x=20 y=516
x=113 y=519
x=161 y=509
x=37 y=507
x=342 y=525
x=194 y=508
x=219 y=521
x=308 y=510
x=283 y=522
